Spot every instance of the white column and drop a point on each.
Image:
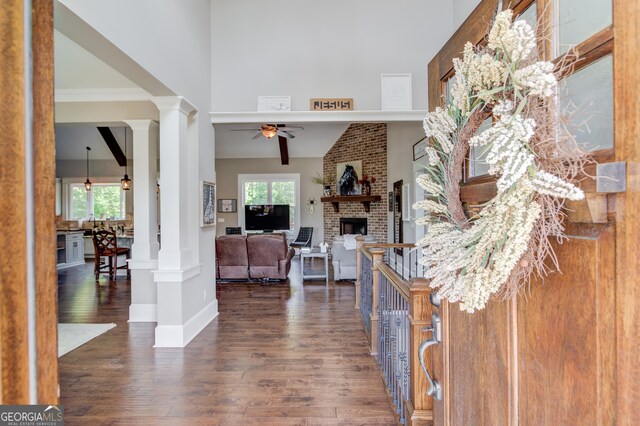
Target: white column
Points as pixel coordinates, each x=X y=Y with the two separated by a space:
x=174 y=254
x=178 y=279
x=144 y=257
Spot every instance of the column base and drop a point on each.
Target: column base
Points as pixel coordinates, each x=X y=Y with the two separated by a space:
x=179 y=336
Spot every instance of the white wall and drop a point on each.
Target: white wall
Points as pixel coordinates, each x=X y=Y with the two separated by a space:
x=227 y=171
x=400 y=140
x=171 y=40
x=329 y=48
x=461 y=10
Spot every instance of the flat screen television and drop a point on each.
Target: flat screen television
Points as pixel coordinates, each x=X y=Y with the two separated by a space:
x=266 y=217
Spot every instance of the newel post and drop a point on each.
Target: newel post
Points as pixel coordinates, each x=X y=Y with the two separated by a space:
x=359 y=245
x=375 y=291
x=420 y=407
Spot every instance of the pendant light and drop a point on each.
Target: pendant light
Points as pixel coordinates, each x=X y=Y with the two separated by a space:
x=125 y=182
x=87 y=184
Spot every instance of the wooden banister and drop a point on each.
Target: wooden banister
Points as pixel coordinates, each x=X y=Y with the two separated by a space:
x=403 y=286
x=389 y=245
x=420 y=406
x=359 y=244
x=376 y=262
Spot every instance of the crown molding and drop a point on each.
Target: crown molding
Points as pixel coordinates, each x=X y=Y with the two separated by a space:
x=364 y=116
x=174 y=103
x=101 y=95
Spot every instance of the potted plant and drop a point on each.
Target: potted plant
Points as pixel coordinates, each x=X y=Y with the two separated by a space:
x=325 y=181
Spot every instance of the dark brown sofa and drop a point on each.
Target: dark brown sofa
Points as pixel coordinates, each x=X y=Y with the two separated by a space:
x=262 y=256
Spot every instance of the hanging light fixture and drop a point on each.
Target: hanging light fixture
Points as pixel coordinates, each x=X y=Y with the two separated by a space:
x=87 y=184
x=125 y=182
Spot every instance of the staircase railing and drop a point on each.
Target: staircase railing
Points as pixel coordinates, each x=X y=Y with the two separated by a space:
x=396 y=313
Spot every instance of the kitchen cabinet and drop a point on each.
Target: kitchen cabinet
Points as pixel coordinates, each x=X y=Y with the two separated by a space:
x=70 y=250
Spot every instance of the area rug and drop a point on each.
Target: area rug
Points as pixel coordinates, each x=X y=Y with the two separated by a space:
x=71 y=336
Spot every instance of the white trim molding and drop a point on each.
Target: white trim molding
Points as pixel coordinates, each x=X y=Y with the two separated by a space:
x=102 y=95
x=174 y=103
x=362 y=116
x=172 y=276
x=179 y=336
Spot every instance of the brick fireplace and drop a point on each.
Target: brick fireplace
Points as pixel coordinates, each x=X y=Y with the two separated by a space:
x=366 y=142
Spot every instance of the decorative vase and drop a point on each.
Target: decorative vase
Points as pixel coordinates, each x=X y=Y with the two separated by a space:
x=366 y=188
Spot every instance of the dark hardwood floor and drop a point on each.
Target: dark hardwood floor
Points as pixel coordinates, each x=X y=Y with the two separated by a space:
x=291 y=353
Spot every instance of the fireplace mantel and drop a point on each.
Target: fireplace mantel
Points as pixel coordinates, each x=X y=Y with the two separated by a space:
x=366 y=200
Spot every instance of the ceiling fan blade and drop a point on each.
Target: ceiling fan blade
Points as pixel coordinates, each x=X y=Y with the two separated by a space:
x=290 y=128
x=245 y=130
x=286 y=134
x=284 y=150
x=256 y=136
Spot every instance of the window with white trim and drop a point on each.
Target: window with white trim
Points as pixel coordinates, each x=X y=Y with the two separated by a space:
x=283 y=188
x=104 y=201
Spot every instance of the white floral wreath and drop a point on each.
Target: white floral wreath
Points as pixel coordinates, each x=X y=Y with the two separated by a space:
x=527 y=149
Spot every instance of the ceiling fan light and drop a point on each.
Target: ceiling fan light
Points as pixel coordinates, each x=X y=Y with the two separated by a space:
x=268 y=131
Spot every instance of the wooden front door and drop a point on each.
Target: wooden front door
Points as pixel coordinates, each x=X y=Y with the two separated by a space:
x=565 y=351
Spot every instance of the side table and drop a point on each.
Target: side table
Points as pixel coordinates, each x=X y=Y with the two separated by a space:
x=315 y=273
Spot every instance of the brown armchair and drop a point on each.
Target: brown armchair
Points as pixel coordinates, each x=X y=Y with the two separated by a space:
x=269 y=256
x=231 y=257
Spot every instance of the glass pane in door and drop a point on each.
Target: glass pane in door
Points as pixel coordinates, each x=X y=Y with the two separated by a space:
x=589 y=102
x=477 y=154
x=577 y=20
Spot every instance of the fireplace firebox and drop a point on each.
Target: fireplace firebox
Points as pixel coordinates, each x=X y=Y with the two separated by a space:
x=353 y=225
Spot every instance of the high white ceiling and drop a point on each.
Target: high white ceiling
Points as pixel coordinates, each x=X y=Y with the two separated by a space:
x=76 y=69
x=312 y=141
x=72 y=140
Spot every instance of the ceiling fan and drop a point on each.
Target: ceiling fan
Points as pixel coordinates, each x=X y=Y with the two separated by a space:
x=271 y=130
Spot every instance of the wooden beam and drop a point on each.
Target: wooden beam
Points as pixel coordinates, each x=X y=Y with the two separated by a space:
x=44 y=203
x=113 y=145
x=14 y=359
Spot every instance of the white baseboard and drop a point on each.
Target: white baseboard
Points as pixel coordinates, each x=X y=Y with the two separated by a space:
x=179 y=336
x=139 y=312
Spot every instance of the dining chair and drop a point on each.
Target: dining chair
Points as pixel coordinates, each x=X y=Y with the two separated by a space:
x=105 y=245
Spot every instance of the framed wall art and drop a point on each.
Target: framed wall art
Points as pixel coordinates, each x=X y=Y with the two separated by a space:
x=207 y=204
x=396 y=92
x=348 y=174
x=227 y=206
x=419 y=149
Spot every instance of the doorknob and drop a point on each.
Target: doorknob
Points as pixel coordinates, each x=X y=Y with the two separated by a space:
x=435 y=390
